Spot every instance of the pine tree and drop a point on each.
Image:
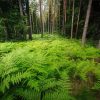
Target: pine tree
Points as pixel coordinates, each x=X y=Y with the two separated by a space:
x=86 y=22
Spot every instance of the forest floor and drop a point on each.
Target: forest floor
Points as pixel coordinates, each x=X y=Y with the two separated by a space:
x=54 y=56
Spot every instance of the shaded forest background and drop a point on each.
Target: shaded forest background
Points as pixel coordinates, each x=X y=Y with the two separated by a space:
x=19 y=19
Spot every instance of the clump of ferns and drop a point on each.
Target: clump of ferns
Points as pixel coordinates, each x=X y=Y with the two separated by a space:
x=37 y=80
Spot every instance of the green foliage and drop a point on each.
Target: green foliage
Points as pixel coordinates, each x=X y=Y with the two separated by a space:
x=2 y=28
x=13 y=26
x=48 y=66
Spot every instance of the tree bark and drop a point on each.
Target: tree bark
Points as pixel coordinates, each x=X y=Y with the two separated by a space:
x=41 y=20
x=31 y=29
x=78 y=18
x=28 y=18
x=99 y=44
x=20 y=7
x=64 y=16
x=50 y=17
x=72 y=20
x=48 y=22
x=86 y=22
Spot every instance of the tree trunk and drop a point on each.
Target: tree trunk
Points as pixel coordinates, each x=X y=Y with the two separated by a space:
x=59 y=16
x=99 y=44
x=7 y=30
x=28 y=18
x=41 y=20
x=64 y=16
x=53 y=24
x=78 y=18
x=86 y=22
x=31 y=29
x=69 y=4
x=50 y=17
x=72 y=20
x=20 y=7
x=48 y=22
x=32 y=21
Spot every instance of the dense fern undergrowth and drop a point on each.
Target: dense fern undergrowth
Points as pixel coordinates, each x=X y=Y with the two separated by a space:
x=51 y=68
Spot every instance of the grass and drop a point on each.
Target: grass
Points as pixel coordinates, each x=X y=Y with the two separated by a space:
x=46 y=63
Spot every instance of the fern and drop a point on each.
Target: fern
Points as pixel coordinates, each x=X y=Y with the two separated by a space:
x=14 y=79
x=45 y=68
x=28 y=94
x=97 y=85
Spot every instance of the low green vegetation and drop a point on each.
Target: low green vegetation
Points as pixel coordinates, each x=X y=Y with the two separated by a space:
x=50 y=68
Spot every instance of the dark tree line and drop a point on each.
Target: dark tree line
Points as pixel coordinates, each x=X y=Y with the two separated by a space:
x=15 y=19
x=19 y=19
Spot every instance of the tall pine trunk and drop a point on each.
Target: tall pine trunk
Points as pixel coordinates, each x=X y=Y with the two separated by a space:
x=20 y=7
x=86 y=22
x=72 y=19
x=41 y=20
x=28 y=18
x=50 y=16
x=64 y=16
x=48 y=22
x=78 y=19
